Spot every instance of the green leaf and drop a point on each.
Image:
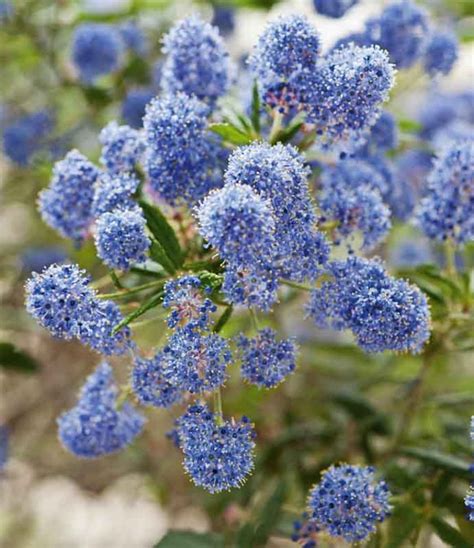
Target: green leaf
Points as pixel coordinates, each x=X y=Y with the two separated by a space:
x=210 y=279
x=188 y=539
x=403 y=523
x=449 y=534
x=255 y=109
x=269 y=515
x=454 y=465
x=231 y=134
x=16 y=360
x=150 y=303
x=163 y=232
x=223 y=319
x=362 y=410
x=409 y=126
x=158 y=254
x=288 y=133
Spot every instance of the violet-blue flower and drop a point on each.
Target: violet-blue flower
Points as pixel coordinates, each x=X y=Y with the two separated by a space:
x=122 y=147
x=440 y=53
x=333 y=8
x=254 y=287
x=133 y=37
x=133 y=106
x=114 y=191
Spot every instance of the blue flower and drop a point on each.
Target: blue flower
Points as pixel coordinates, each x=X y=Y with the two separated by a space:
x=333 y=8
x=66 y=205
x=96 y=426
x=35 y=259
x=437 y=112
x=133 y=37
x=96 y=50
x=447 y=210
x=349 y=502
x=223 y=18
x=114 y=191
x=194 y=362
x=383 y=313
x=266 y=361
x=440 y=53
x=469 y=503
x=133 y=106
x=218 y=454
x=149 y=385
x=4 y=446
x=253 y=287
x=122 y=147
x=305 y=532
x=197 y=60
x=383 y=134
x=121 y=239
x=410 y=252
x=184 y=297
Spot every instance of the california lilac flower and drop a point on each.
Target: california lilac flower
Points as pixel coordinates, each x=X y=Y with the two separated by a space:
x=121 y=239
x=218 y=454
x=197 y=60
x=4 y=446
x=35 y=259
x=149 y=385
x=185 y=297
x=254 y=287
x=26 y=136
x=349 y=502
x=96 y=50
x=438 y=112
x=440 y=53
x=305 y=532
x=266 y=361
x=351 y=196
x=223 y=17
x=122 y=147
x=96 y=426
x=469 y=503
x=114 y=191
x=383 y=134
x=447 y=210
x=133 y=37
x=194 y=362
x=383 y=313
x=66 y=205
x=133 y=106
x=333 y=8
x=410 y=252
x=351 y=84
x=182 y=159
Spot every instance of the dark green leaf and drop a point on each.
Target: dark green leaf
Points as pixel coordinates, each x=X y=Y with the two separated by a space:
x=269 y=515
x=454 y=465
x=440 y=488
x=362 y=411
x=188 y=539
x=209 y=279
x=231 y=134
x=150 y=303
x=159 y=255
x=97 y=97
x=255 y=116
x=245 y=535
x=403 y=523
x=288 y=133
x=16 y=360
x=223 y=319
x=449 y=534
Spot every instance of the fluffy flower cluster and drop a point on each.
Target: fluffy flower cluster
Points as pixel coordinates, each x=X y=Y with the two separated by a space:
x=383 y=313
x=266 y=361
x=26 y=136
x=440 y=53
x=122 y=147
x=218 y=454
x=96 y=426
x=62 y=301
x=197 y=61
x=133 y=37
x=333 y=8
x=349 y=502
x=133 y=106
x=383 y=135
x=447 y=210
x=114 y=191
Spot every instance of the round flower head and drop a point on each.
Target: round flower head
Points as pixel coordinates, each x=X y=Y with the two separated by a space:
x=113 y=191
x=197 y=60
x=333 y=8
x=383 y=134
x=121 y=239
x=438 y=112
x=66 y=205
x=447 y=210
x=133 y=106
x=96 y=426
x=181 y=157
x=122 y=147
x=223 y=17
x=349 y=502
x=133 y=37
x=218 y=454
x=254 y=287
x=266 y=361
x=184 y=297
x=96 y=50
x=351 y=85
x=149 y=385
x=383 y=313
x=36 y=259
x=441 y=53
x=25 y=137
x=195 y=363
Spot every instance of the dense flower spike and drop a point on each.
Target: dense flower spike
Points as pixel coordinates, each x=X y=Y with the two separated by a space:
x=66 y=205
x=195 y=363
x=149 y=385
x=96 y=426
x=266 y=361
x=133 y=106
x=333 y=8
x=218 y=454
x=114 y=191
x=122 y=147
x=121 y=239
x=184 y=297
x=182 y=159
x=383 y=313
x=197 y=60
x=280 y=175
x=349 y=502
x=26 y=136
x=351 y=85
x=96 y=50
x=440 y=53
x=447 y=210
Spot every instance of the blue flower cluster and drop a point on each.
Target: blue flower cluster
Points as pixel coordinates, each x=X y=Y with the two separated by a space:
x=223 y=18
x=447 y=210
x=218 y=454
x=349 y=502
x=66 y=205
x=133 y=37
x=383 y=313
x=383 y=135
x=305 y=532
x=122 y=147
x=4 y=446
x=333 y=8
x=114 y=191
x=440 y=53
x=197 y=61
x=469 y=499
x=410 y=252
x=121 y=239
x=265 y=360
x=133 y=106
x=96 y=426
x=62 y=301
x=35 y=259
